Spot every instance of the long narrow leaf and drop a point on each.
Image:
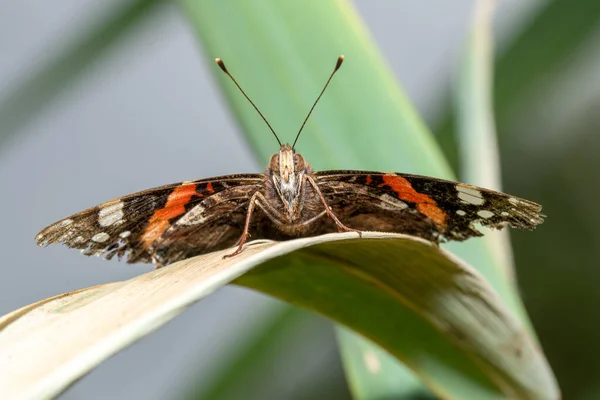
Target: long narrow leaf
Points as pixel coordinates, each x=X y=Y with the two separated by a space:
x=422 y=305
x=281 y=53
x=479 y=155
x=273 y=53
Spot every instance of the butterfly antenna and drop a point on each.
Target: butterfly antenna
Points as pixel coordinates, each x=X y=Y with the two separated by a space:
x=222 y=66
x=338 y=64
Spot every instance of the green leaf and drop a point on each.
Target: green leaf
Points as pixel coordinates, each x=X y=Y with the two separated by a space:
x=424 y=306
x=281 y=53
x=364 y=358
x=297 y=63
x=479 y=156
x=523 y=63
x=478 y=148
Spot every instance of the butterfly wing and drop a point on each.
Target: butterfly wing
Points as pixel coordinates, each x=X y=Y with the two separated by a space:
x=215 y=223
x=422 y=206
x=132 y=224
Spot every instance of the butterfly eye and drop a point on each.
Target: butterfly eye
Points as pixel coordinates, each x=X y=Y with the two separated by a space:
x=274 y=163
x=299 y=163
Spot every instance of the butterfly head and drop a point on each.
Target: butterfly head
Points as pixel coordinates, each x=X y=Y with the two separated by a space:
x=287 y=170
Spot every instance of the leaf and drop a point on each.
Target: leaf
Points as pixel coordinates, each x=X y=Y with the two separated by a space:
x=425 y=307
x=294 y=65
x=281 y=53
x=478 y=148
x=364 y=358
x=288 y=55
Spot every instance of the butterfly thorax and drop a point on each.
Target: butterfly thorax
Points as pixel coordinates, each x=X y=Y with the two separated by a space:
x=286 y=172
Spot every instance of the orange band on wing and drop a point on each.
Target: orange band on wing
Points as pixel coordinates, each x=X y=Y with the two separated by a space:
x=175 y=206
x=209 y=188
x=425 y=204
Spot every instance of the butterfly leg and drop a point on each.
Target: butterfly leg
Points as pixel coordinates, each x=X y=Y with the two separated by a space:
x=339 y=224
x=245 y=233
x=256 y=199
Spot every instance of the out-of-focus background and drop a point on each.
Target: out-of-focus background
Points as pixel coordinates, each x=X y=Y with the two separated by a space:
x=137 y=108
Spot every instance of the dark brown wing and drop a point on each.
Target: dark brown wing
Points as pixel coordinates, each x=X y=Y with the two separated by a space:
x=130 y=225
x=422 y=206
x=215 y=223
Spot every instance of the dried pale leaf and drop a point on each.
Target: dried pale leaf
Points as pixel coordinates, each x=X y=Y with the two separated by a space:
x=415 y=300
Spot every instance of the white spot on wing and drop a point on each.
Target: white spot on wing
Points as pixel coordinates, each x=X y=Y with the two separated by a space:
x=470 y=195
x=461 y=213
x=485 y=214
x=513 y=200
x=194 y=217
x=391 y=203
x=111 y=214
x=504 y=214
x=125 y=234
x=100 y=237
x=79 y=239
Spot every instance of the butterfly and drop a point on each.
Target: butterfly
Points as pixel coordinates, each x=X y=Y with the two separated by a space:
x=289 y=200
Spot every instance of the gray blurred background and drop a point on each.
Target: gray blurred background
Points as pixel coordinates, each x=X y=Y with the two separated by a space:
x=147 y=113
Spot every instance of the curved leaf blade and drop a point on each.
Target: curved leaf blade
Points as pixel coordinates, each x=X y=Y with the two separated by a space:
x=281 y=53
x=478 y=147
x=363 y=358
x=425 y=307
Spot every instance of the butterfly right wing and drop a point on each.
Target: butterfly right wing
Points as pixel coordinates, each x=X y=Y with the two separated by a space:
x=421 y=206
x=130 y=225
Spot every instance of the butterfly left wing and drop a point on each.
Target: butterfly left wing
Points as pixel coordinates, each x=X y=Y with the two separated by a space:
x=421 y=206
x=133 y=224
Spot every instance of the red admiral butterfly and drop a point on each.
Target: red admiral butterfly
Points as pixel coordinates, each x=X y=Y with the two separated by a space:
x=289 y=200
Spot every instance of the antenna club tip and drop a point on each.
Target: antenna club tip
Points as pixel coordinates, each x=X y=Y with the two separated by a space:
x=340 y=60
x=221 y=64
